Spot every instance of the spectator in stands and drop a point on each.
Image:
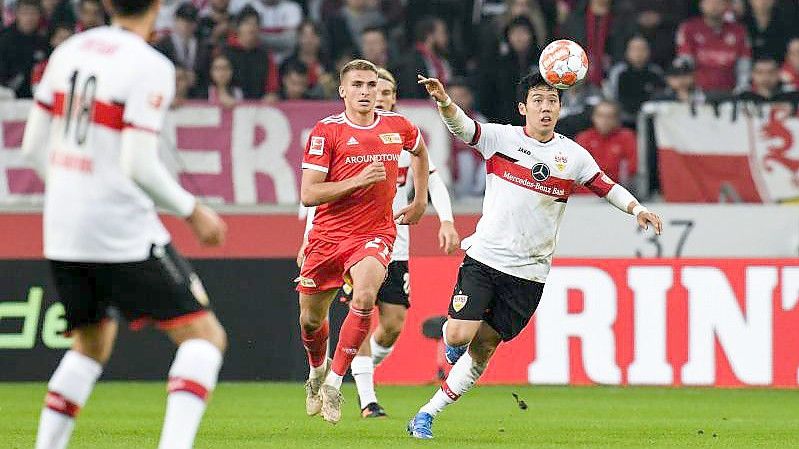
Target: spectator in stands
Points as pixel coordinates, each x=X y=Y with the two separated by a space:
x=222 y=91
x=575 y=109
x=720 y=50
x=634 y=81
x=613 y=146
x=56 y=12
x=254 y=67
x=183 y=84
x=681 y=83
x=58 y=34
x=185 y=50
x=651 y=20
x=768 y=29
x=344 y=28
x=310 y=53
x=374 y=46
x=498 y=94
x=91 y=14
x=294 y=82
x=541 y=13
x=790 y=68
x=280 y=20
x=215 y=23
x=766 y=85
x=21 y=47
x=428 y=58
x=594 y=29
x=468 y=166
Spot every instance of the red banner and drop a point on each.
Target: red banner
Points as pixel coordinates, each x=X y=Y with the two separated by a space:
x=629 y=322
x=249 y=154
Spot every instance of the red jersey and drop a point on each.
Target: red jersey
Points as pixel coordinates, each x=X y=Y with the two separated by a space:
x=715 y=52
x=343 y=149
x=616 y=153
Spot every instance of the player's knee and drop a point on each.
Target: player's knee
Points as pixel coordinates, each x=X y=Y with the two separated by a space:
x=310 y=323
x=363 y=299
x=458 y=335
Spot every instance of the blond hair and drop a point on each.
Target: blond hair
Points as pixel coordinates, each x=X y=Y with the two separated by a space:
x=358 y=64
x=384 y=74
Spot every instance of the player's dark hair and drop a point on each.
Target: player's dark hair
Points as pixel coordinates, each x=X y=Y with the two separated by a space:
x=130 y=8
x=530 y=81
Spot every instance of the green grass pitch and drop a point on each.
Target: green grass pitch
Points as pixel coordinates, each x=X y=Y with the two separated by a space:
x=272 y=415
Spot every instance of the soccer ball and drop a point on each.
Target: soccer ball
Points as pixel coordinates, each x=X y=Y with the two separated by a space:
x=563 y=63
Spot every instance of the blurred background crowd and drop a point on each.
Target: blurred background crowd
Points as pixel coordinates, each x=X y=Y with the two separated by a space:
x=228 y=51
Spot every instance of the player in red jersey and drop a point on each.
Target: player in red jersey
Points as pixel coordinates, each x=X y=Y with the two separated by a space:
x=350 y=169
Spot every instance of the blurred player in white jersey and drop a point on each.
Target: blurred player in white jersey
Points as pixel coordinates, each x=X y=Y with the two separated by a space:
x=393 y=298
x=93 y=137
x=531 y=171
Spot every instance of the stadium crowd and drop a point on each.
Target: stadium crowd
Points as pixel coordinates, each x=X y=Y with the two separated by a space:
x=228 y=51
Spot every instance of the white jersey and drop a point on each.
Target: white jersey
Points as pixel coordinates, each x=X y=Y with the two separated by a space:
x=97 y=83
x=527 y=186
x=402 y=244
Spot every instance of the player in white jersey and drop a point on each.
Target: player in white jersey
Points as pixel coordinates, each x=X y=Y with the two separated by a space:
x=93 y=137
x=531 y=171
x=393 y=299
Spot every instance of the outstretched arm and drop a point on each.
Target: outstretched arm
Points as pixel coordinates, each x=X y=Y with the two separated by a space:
x=620 y=197
x=453 y=116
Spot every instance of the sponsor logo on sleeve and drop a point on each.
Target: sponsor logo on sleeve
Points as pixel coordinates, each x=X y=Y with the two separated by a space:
x=389 y=138
x=317 y=147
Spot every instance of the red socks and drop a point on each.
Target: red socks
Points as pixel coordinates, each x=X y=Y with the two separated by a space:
x=316 y=344
x=353 y=332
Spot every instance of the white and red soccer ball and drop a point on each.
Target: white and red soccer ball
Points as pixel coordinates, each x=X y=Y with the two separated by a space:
x=563 y=63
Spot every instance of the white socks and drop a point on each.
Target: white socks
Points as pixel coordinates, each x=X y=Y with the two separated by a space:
x=461 y=378
x=68 y=390
x=334 y=380
x=363 y=371
x=315 y=372
x=192 y=377
x=378 y=352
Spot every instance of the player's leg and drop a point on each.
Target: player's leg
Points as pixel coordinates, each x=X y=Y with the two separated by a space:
x=363 y=370
x=473 y=292
x=201 y=343
x=515 y=302
x=74 y=379
x=393 y=303
x=367 y=275
x=314 y=327
x=461 y=378
x=165 y=289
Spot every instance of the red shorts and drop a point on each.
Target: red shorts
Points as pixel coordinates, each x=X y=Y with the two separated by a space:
x=327 y=264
